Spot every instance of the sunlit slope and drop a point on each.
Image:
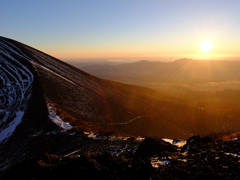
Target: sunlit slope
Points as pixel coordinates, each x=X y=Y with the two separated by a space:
x=210 y=86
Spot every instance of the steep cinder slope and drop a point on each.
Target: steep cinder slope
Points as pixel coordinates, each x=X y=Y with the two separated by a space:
x=88 y=99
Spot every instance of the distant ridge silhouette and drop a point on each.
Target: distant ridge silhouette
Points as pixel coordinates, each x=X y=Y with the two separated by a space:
x=182 y=70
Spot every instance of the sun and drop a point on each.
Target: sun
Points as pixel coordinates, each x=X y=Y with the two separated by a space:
x=206 y=45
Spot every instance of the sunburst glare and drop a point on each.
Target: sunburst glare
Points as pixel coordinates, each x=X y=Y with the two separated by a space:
x=206 y=46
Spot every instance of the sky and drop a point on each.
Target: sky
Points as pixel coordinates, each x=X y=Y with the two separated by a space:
x=124 y=30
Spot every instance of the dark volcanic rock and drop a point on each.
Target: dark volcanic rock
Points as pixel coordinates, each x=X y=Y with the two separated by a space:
x=193 y=141
x=208 y=163
x=152 y=146
x=199 y=140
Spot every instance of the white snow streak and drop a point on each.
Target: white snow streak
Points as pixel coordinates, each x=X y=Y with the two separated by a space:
x=10 y=129
x=56 y=119
x=156 y=163
x=177 y=143
x=15 y=88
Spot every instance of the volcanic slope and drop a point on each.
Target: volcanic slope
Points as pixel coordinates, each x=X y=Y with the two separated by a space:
x=43 y=99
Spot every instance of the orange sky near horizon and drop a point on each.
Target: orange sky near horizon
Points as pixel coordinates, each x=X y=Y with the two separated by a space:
x=218 y=52
x=147 y=48
x=125 y=30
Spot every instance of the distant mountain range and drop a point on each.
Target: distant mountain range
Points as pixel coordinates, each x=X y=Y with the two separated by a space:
x=179 y=71
x=49 y=106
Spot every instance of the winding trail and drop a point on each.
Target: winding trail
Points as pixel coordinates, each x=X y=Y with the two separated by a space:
x=124 y=123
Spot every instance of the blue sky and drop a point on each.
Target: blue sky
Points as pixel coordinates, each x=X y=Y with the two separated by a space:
x=124 y=29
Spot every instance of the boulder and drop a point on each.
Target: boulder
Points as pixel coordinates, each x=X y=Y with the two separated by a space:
x=152 y=146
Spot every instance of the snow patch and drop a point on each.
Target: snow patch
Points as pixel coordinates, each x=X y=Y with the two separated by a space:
x=178 y=143
x=156 y=163
x=119 y=151
x=233 y=154
x=69 y=154
x=52 y=111
x=91 y=134
x=139 y=139
x=168 y=140
x=183 y=160
x=12 y=126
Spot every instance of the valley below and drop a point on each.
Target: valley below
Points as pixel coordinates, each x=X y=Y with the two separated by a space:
x=211 y=86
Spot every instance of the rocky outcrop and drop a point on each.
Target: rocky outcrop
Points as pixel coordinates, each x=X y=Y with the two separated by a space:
x=213 y=160
x=152 y=146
